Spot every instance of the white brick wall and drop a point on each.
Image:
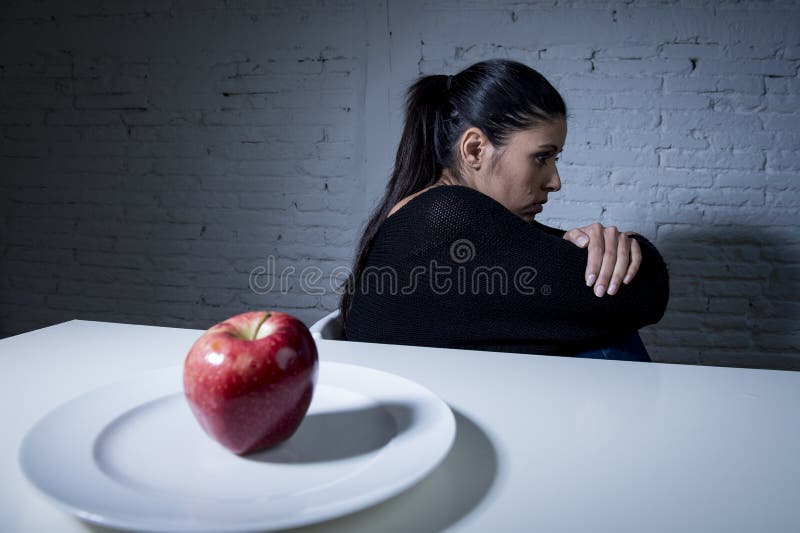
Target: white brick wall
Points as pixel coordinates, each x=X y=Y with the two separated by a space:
x=155 y=153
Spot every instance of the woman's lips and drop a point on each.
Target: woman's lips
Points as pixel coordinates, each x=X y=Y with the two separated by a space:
x=537 y=208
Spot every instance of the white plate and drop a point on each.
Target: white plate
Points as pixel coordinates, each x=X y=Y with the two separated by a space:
x=131 y=455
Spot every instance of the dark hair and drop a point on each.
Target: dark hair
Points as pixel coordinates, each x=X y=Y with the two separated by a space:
x=498 y=96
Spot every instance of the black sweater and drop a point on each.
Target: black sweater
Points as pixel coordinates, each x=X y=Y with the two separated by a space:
x=455 y=268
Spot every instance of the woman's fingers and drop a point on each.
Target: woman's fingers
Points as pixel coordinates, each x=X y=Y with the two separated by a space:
x=611 y=237
x=577 y=237
x=636 y=261
x=614 y=258
x=597 y=247
x=621 y=266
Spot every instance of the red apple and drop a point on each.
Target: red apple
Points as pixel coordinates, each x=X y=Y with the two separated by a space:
x=249 y=380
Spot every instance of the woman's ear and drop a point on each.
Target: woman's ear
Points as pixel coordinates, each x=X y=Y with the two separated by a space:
x=473 y=148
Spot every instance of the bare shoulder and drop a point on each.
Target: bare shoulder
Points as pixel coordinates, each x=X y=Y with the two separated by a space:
x=407 y=199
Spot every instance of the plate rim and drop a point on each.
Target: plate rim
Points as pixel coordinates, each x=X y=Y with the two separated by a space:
x=374 y=496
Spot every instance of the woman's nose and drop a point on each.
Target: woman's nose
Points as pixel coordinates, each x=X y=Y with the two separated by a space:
x=554 y=183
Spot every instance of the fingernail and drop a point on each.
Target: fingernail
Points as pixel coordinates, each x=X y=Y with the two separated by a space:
x=598 y=290
x=590 y=279
x=612 y=289
x=626 y=280
x=582 y=241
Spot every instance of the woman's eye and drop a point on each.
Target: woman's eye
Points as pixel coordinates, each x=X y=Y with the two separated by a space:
x=543 y=159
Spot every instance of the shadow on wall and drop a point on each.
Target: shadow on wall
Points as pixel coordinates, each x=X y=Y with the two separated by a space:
x=735 y=298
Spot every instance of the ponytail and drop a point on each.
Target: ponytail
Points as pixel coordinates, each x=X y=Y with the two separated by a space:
x=416 y=167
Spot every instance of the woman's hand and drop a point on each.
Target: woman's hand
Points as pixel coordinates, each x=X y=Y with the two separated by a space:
x=614 y=257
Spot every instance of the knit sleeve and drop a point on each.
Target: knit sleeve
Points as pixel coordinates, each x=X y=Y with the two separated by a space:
x=544 y=273
x=550 y=231
x=649 y=251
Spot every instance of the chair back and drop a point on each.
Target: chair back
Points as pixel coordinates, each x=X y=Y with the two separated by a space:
x=328 y=327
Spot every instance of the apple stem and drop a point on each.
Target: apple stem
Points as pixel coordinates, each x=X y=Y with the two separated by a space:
x=258 y=327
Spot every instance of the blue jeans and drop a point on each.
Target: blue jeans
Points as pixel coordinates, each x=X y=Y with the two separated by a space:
x=630 y=348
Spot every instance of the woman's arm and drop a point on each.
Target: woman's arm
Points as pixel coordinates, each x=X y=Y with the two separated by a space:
x=606 y=272
x=545 y=275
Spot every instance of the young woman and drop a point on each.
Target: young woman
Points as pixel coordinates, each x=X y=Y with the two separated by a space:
x=452 y=255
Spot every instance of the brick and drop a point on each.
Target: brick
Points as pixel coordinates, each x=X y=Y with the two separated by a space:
x=642 y=67
x=664 y=177
x=678 y=120
x=734 y=197
x=782 y=341
x=734 y=139
x=711 y=159
x=691 y=50
x=561 y=67
x=740 y=83
x=689 y=84
x=627 y=52
x=774 y=67
x=780 y=104
x=757 y=218
x=791 y=52
x=781 y=181
x=265 y=201
x=735 y=178
x=752 y=50
x=82 y=118
x=564 y=213
x=779 y=121
x=737 y=102
x=56 y=301
x=609 y=83
x=725 y=322
x=782 y=160
x=258 y=117
x=207 y=166
x=566 y=51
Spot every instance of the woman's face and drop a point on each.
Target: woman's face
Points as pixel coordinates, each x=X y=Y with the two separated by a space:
x=524 y=172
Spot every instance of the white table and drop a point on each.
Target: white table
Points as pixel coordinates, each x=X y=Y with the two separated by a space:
x=543 y=443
